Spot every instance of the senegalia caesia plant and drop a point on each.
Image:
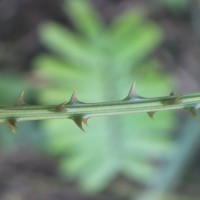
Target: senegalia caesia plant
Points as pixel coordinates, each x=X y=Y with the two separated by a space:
x=102 y=62
x=80 y=112
x=120 y=53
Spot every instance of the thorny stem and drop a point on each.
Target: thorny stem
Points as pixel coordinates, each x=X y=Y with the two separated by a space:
x=81 y=112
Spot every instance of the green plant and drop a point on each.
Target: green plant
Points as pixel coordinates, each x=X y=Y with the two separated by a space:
x=80 y=112
x=15 y=82
x=106 y=60
x=175 y=5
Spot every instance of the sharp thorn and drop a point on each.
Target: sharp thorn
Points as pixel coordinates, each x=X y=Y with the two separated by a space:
x=85 y=121
x=61 y=107
x=20 y=100
x=132 y=92
x=74 y=99
x=192 y=111
x=173 y=99
x=12 y=124
x=78 y=121
x=132 y=95
x=151 y=114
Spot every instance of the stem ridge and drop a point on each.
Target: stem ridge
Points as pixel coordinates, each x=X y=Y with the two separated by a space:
x=80 y=112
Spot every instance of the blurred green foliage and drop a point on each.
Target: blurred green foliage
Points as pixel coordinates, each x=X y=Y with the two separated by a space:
x=10 y=87
x=175 y=5
x=102 y=62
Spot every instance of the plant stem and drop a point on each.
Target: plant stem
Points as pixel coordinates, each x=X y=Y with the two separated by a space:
x=75 y=109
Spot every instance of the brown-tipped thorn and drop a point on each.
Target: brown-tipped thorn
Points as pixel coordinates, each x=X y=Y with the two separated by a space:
x=78 y=121
x=20 y=100
x=12 y=124
x=151 y=114
x=85 y=121
x=172 y=99
x=61 y=107
x=74 y=99
x=132 y=95
x=192 y=111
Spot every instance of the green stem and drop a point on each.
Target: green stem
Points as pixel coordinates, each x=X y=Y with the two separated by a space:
x=75 y=109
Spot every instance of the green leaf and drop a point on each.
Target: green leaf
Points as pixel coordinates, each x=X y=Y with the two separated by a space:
x=67 y=45
x=63 y=71
x=10 y=87
x=85 y=18
x=145 y=40
x=119 y=145
x=175 y=5
x=126 y=25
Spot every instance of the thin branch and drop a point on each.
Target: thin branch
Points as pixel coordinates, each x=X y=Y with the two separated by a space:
x=81 y=112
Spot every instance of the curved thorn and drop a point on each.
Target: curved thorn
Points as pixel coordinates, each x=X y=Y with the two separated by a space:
x=12 y=124
x=78 y=121
x=74 y=99
x=85 y=121
x=132 y=92
x=20 y=100
x=132 y=95
x=192 y=111
x=151 y=114
x=61 y=107
x=172 y=99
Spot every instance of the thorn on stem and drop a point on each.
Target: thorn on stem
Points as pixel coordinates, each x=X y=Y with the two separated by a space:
x=192 y=111
x=73 y=99
x=172 y=99
x=79 y=120
x=61 y=107
x=20 y=100
x=85 y=121
x=151 y=114
x=11 y=122
x=132 y=95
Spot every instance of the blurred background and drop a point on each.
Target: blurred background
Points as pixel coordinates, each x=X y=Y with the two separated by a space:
x=100 y=47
